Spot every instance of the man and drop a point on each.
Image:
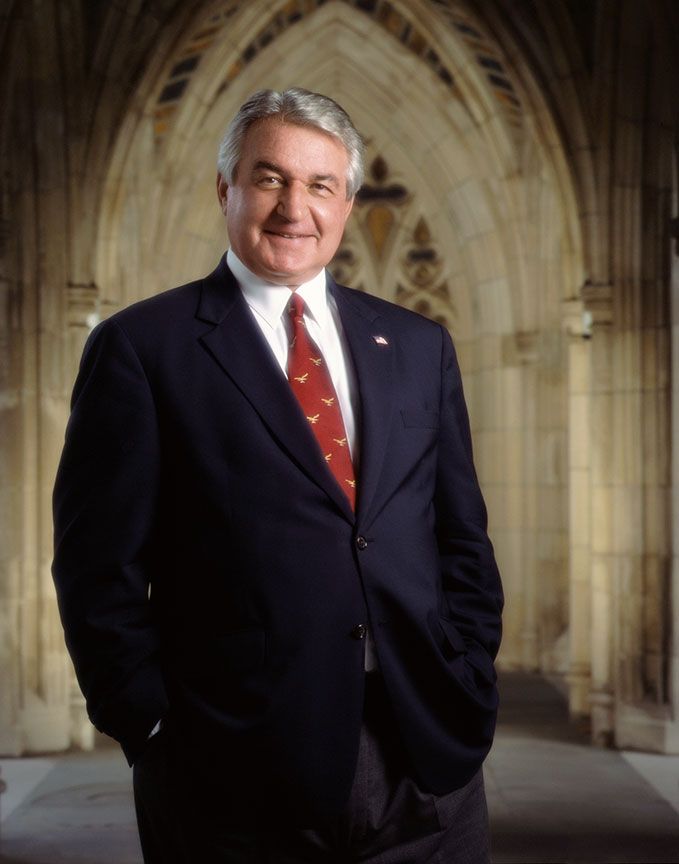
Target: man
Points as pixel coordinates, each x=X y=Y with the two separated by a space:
x=271 y=551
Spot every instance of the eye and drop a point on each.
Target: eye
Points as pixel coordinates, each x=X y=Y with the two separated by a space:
x=321 y=188
x=269 y=181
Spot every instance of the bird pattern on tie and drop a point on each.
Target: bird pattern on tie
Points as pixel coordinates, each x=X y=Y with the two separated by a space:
x=311 y=383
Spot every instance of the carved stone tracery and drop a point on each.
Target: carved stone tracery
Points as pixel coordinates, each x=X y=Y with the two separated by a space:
x=409 y=257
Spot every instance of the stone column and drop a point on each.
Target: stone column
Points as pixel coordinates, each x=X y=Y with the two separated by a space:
x=82 y=314
x=597 y=301
x=34 y=668
x=546 y=471
x=502 y=407
x=673 y=676
x=576 y=324
x=10 y=490
x=522 y=408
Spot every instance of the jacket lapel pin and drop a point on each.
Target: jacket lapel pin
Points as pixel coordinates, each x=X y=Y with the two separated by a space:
x=381 y=340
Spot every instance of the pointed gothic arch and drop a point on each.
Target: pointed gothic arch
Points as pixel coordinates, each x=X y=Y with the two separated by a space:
x=484 y=113
x=475 y=156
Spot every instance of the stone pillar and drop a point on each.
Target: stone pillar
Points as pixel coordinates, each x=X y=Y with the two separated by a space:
x=673 y=676
x=10 y=489
x=502 y=408
x=577 y=327
x=522 y=408
x=648 y=678
x=547 y=472
x=34 y=668
x=82 y=314
x=597 y=301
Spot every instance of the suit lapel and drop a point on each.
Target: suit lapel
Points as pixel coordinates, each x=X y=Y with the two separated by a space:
x=372 y=351
x=239 y=347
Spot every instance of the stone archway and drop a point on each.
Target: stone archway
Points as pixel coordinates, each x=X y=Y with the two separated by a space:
x=488 y=202
x=482 y=195
x=482 y=113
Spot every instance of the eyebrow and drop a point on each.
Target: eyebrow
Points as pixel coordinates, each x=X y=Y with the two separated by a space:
x=271 y=166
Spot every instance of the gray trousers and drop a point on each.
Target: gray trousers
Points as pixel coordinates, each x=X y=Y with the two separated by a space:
x=388 y=819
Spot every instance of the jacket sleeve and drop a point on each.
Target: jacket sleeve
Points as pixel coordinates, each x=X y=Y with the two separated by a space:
x=471 y=581
x=105 y=501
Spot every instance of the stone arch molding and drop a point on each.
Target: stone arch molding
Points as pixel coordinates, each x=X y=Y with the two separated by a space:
x=474 y=167
x=496 y=117
x=440 y=117
x=438 y=101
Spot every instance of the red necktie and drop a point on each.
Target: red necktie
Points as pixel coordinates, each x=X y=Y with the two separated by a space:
x=312 y=385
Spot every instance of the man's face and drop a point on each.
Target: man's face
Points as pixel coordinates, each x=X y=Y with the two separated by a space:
x=286 y=210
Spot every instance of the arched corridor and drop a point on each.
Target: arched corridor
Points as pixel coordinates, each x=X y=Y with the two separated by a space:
x=522 y=189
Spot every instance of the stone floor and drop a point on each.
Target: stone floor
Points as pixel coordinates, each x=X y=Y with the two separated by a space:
x=552 y=797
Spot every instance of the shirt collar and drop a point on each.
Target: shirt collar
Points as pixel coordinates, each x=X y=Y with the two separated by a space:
x=269 y=300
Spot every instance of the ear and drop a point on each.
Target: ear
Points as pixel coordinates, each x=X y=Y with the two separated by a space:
x=349 y=207
x=222 y=190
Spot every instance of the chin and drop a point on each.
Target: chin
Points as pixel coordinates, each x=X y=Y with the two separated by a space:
x=284 y=274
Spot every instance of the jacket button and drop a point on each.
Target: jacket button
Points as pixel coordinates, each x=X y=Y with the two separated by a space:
x=359 y=631
x=361 y=542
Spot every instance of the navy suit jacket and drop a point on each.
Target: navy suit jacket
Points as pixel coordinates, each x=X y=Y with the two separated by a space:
x=210 y=571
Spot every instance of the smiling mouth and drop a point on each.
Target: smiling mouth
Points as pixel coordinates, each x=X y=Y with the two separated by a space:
x=288 y=236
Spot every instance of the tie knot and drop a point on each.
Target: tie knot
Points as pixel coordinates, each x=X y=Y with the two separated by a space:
x=296 y=305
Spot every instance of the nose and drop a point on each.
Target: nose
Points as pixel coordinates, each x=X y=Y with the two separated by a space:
x=291 y=202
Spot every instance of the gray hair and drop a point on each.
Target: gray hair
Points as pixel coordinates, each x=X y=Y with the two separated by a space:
x=301 y=108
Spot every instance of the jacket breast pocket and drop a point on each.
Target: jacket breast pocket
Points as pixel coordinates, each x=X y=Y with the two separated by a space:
x=416 y=418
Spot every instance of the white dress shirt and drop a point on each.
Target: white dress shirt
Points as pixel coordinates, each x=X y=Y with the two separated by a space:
x=268 y=303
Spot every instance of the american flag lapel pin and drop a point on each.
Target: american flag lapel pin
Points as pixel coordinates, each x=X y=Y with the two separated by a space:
x=381 y=340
